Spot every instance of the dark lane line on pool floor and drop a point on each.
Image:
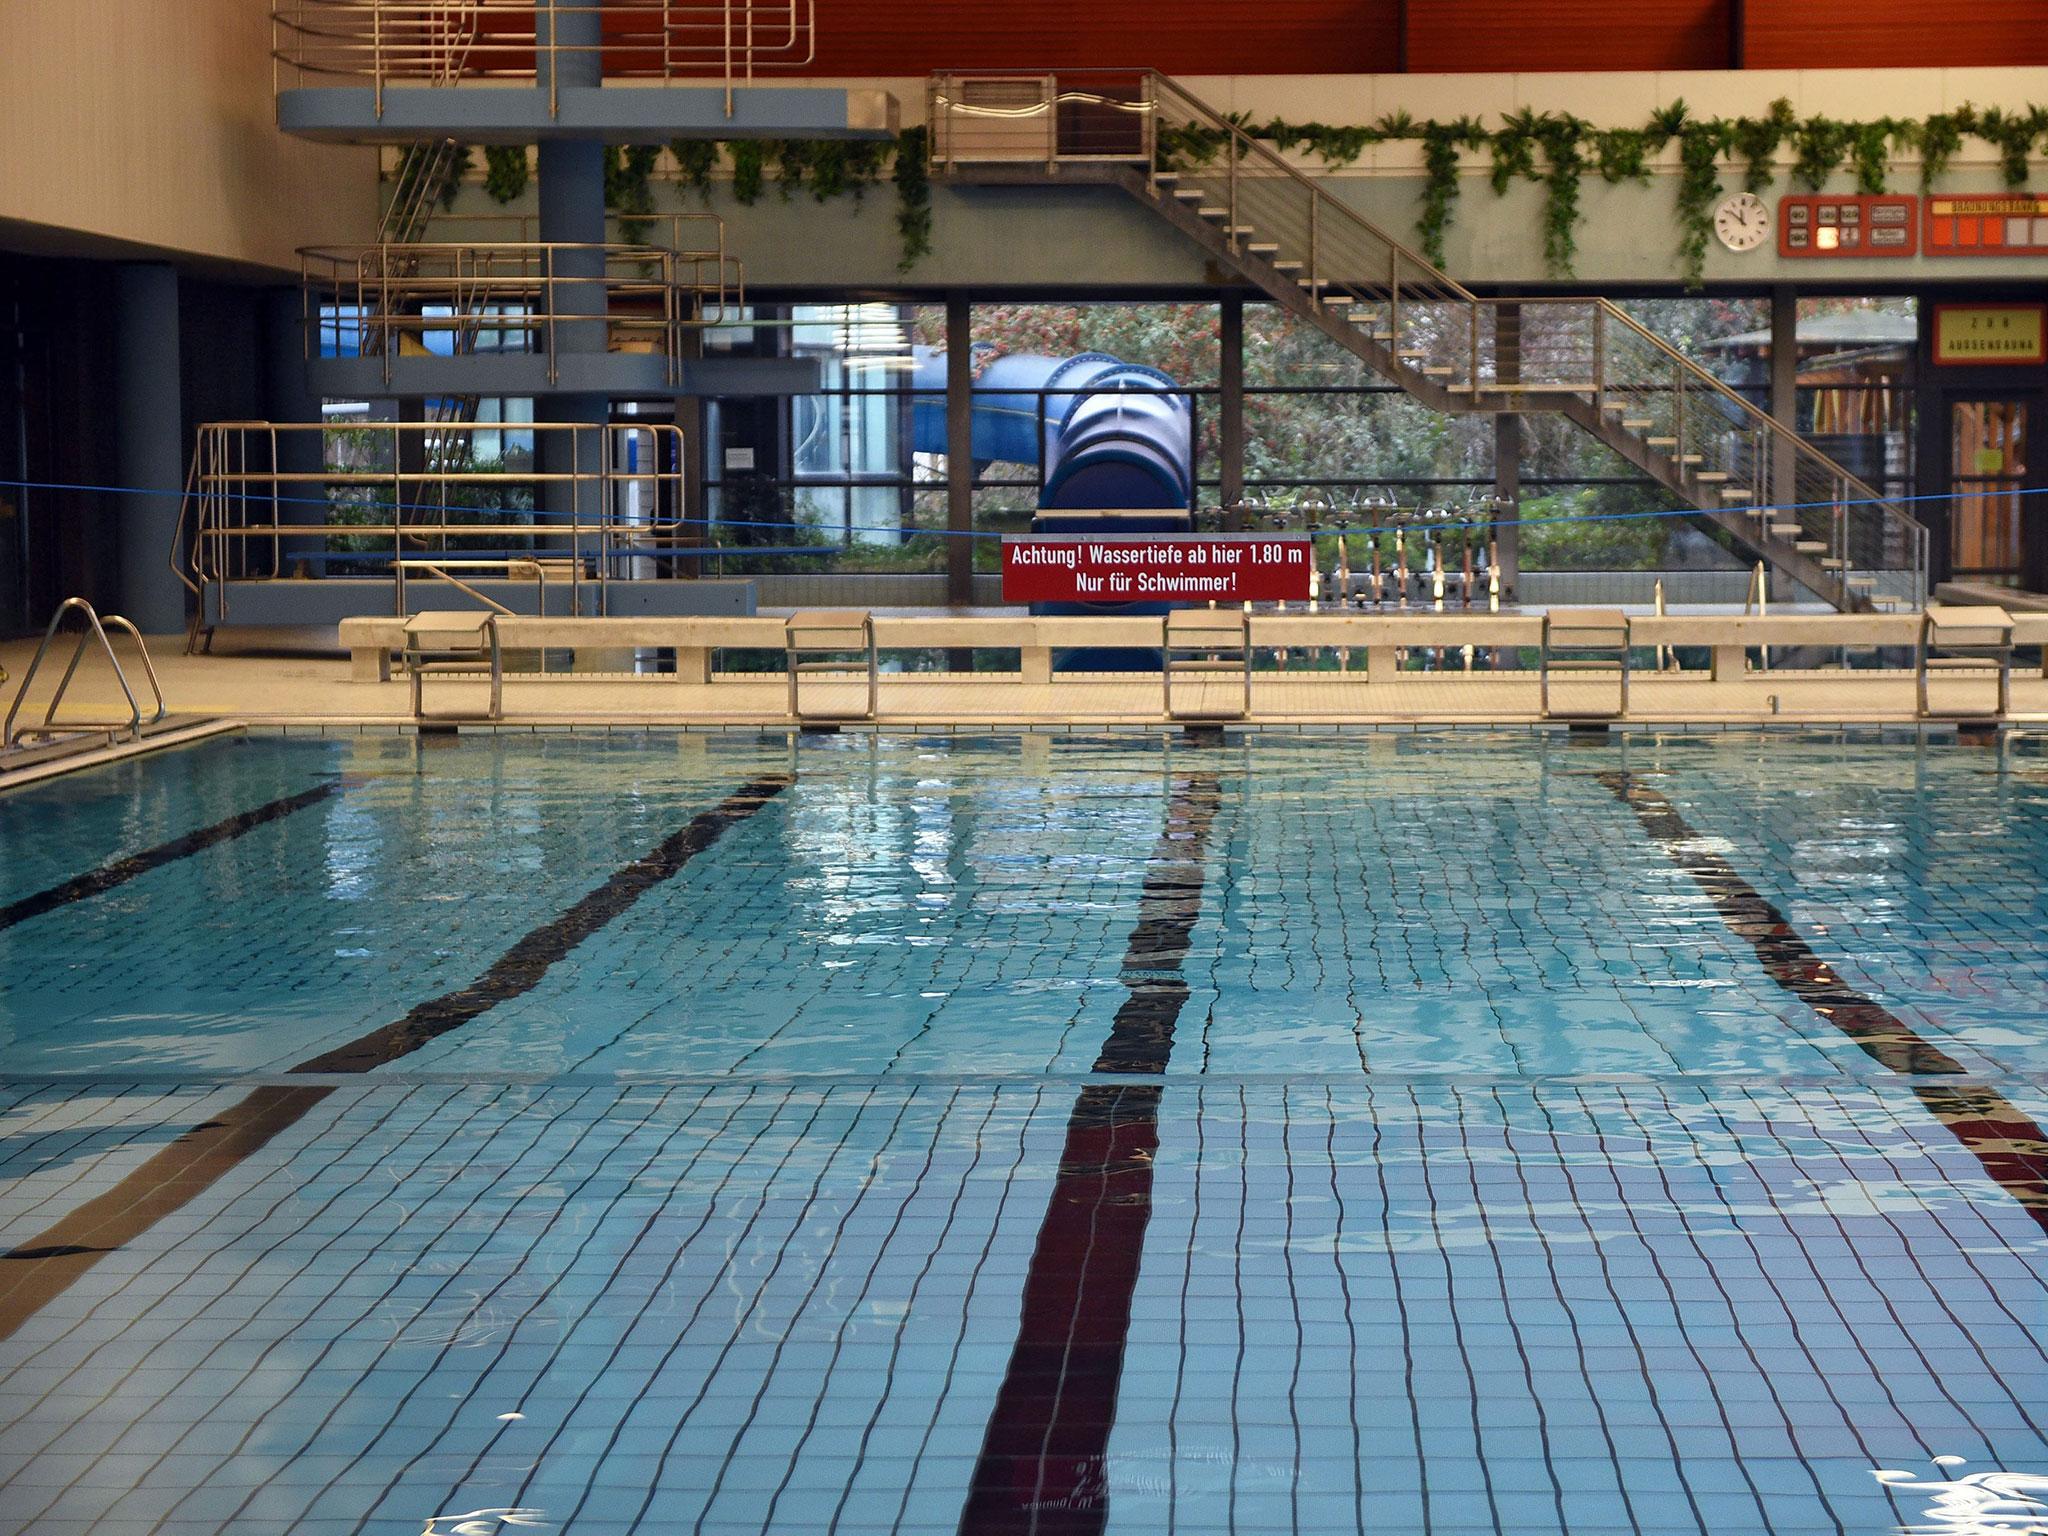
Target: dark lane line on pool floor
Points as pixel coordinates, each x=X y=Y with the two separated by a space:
x=2009 y=1143
x=44 y=1266
x=117 y=872
x=1041 y=1467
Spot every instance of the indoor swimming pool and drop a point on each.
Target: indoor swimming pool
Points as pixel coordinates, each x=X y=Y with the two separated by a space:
x=1387 y=1132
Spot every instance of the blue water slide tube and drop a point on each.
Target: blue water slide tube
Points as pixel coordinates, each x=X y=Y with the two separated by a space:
x=1110 y=438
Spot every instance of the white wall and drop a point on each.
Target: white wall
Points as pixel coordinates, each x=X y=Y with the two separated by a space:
x=151 y=122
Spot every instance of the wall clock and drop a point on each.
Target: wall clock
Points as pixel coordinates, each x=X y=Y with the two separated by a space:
x=1742 y=222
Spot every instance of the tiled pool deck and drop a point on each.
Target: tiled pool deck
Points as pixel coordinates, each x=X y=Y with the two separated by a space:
x=1393 y=1134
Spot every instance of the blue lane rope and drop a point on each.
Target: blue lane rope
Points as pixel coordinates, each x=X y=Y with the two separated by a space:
x=342 y=529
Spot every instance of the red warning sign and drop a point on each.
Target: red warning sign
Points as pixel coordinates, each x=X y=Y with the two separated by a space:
x=1141 y=568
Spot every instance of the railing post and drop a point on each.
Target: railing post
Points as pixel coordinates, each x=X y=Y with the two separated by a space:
x=377 y=57
x=1230 y=187
x=1678 y=419
x=398 y=514
x=1600 y=358
x=1394 y=302
x=1314 y=249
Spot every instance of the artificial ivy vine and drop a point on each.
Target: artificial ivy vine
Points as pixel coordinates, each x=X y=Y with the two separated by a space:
x=506 y=171
x=829 y=168
x=913 y=199
x=1557 y=149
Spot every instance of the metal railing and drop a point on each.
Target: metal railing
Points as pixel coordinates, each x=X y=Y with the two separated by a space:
x=248 y=516
x=446 y=42
x=93 y=628
x=514 y=297
x=1423 y=329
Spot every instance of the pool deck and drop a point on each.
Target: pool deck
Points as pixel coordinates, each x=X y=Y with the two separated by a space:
x=321 y=691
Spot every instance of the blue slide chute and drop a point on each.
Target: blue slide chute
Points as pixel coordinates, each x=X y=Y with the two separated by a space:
x=1112 y=437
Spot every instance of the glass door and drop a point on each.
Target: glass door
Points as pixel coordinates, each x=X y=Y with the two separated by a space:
x=1989 y=460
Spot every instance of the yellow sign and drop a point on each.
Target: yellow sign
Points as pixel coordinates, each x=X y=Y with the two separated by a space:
x=1989 y=333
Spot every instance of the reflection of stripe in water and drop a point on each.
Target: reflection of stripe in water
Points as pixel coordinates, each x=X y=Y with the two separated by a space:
x=1042 y=1466
x=2010 y=1145
x=94 y=882
x=49 y=1262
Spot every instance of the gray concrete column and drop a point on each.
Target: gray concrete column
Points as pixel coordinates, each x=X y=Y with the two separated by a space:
x=571 y=195
x=959 y=450
x=577 y=28
x=150 y=436
x=1230 y=422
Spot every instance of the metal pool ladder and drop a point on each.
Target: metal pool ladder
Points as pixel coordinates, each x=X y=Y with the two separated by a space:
x=19 y=746
x=1206 y=646
x=847 y=638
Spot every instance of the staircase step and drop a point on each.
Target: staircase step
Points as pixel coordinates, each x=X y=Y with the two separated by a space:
x=1412 y=352
x=1690 y=458
x=1213 y=213
x=1438 y=370
x=1809 y=546
x=1289 y=265
x=1636 y=423
x=1787 y=530
x=1338 y=299
x=1711 y=476
x=1862 y=583
x=1738 y=493
x=1661 y=442
x=1238 y=229
x=1830 y=563
x=1263 y=247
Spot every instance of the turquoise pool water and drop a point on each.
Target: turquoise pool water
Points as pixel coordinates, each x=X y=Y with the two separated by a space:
x=1380 y=1132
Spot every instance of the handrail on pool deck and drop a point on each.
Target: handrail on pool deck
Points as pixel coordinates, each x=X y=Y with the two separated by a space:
x=1943 y=639
x=108 y=731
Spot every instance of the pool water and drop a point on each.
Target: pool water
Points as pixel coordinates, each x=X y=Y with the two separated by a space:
x=1385 y=1132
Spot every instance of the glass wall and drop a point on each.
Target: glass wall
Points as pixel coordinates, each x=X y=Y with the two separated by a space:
x=1857 y=383
x=852 y=477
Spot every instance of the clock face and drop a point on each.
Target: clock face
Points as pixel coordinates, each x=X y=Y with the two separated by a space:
x=1742 y=222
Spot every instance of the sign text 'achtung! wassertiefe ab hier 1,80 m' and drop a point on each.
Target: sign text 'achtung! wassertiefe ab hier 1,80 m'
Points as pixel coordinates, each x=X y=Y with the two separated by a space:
x=1152 y=568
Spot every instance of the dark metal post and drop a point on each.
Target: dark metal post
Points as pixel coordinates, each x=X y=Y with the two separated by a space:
x=1231 y=423
x=959 y=451
x=1507 y=446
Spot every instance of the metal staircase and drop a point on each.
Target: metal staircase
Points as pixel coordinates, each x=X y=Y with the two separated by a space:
x=1772 y=494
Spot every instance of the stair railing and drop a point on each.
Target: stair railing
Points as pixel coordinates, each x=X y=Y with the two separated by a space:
x=1588 y=357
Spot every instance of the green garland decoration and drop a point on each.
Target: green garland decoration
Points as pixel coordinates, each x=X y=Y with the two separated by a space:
x=627 y=169
x=506 y=172
x=1567 y=147
x=2013 y=134
x=1441 y=143
x=749 y=162
x=1940 y=137
x=913 y=198
x=1755 y=141
x=695 y=160
x=1700 y=144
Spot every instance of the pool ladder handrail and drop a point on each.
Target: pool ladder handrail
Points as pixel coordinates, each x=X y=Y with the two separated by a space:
x=1585 y=640
x=847 y=636
x=1206 y=642
x=95 y=628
